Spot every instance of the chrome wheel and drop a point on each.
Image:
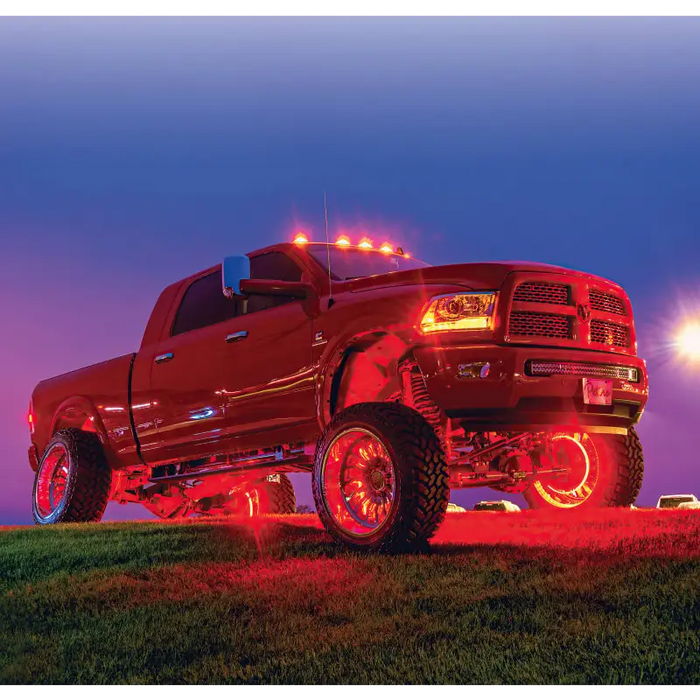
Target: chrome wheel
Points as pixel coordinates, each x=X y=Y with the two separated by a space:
x=52 y=480
x=576 y=453
x=359 y=481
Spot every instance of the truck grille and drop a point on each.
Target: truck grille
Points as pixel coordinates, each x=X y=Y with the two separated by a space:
x=609 y=333
x=537 y=368
x=567 y=310
x=542 y=293
x=524 y=323
x=609 y=303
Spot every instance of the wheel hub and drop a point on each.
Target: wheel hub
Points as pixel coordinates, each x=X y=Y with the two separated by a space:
x=377 y=481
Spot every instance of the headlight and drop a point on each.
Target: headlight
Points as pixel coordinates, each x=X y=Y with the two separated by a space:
x=458 y=312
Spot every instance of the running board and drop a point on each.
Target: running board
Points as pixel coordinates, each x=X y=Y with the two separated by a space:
x=241 y=467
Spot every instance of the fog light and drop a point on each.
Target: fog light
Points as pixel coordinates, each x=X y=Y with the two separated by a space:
x=474 y=370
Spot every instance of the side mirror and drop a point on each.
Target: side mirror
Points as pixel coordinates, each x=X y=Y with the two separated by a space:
x=234 y=269
x=274 y=288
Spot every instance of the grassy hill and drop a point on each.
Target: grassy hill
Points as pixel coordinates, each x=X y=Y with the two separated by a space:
x=501 y=598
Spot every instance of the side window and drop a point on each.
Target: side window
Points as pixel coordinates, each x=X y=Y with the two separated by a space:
x=204 y=304
x=272 y=266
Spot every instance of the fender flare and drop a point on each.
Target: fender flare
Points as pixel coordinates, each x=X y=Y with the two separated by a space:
x=333 y=362
x=79 y=412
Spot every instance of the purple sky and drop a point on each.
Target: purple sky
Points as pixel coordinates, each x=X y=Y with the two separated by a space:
x=134 y=152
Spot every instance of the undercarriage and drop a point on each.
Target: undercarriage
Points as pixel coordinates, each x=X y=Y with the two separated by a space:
x=556 y=467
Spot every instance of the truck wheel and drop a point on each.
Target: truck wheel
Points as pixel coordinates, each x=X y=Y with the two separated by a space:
x=604 y=470
x=380 y=479
x=73 y=481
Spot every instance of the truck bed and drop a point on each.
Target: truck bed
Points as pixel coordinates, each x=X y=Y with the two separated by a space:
x=95 y=398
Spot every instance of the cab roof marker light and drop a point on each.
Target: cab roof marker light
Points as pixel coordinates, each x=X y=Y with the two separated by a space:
x=300 y=238
x=365 y=243
x=342 y=241
x=386 y=248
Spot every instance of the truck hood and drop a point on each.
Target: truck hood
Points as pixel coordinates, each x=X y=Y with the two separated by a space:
x=487 y=275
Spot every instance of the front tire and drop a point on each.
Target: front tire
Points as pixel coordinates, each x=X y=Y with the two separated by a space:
x=73 y=481
x=612 y=468
x=380 y=479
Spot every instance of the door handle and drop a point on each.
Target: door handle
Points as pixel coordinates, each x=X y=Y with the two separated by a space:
x=165 y=357
x=238 y=335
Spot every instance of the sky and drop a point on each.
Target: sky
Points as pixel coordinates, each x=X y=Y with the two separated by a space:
x=134 y=152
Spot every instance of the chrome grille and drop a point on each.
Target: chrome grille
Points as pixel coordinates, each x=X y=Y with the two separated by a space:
x=524 y=323
x=608 y=333
x=543 y=293
x=547 y=369
x=609 y=303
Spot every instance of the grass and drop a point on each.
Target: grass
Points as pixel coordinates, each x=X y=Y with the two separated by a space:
x=501 y=598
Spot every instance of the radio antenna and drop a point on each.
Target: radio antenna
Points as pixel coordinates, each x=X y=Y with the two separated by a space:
x=328 y=251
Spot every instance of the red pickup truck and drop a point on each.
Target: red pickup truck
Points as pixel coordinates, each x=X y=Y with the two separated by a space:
x=389 y=380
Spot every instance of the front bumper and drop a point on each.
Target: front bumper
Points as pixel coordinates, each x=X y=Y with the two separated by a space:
x=510 y=400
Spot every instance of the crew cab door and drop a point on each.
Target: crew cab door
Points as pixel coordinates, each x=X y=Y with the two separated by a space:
x=233 y=371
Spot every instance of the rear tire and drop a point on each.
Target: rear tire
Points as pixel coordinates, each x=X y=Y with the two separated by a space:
x=620 y=479
x=73 y=481
x=276 y=496
x=380 y=479
x=271 y=495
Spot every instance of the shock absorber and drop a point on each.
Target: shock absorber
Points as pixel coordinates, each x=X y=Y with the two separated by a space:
x=415 y=395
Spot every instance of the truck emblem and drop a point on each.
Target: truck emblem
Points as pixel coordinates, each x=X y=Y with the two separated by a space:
x=583 y=311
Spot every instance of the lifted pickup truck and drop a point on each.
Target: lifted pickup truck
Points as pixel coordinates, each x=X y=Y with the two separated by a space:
x=389 y=380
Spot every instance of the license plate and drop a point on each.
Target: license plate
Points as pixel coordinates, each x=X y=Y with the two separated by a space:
x=597 y=392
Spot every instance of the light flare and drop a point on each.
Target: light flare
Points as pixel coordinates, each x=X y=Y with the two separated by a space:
x=688 y=341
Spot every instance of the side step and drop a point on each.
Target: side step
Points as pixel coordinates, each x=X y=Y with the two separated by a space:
x=297 y=457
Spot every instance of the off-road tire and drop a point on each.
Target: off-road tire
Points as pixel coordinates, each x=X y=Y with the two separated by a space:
x=88 y=483
x=623 y=480
x=422 y=490
x=276 y=497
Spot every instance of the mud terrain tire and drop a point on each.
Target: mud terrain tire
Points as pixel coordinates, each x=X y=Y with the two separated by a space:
x=276 y=496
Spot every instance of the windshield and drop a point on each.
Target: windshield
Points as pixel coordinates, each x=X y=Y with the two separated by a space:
x=351 y=263
x=675 y=502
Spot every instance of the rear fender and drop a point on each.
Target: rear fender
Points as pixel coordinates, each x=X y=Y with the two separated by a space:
x=79 y=412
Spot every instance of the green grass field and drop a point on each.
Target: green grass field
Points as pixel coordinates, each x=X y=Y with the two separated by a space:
x=501 y=598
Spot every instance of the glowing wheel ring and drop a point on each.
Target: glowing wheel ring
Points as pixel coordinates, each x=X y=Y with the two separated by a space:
x=579 y=494
x=358 y=481
x=52 y=480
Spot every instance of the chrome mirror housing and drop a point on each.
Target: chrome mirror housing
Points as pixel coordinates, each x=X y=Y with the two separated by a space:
x=234 y=269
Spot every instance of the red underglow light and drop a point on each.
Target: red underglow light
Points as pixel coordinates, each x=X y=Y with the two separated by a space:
x=343 y=241
x=365 y=243
x=300 y=238
x=386 y=248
